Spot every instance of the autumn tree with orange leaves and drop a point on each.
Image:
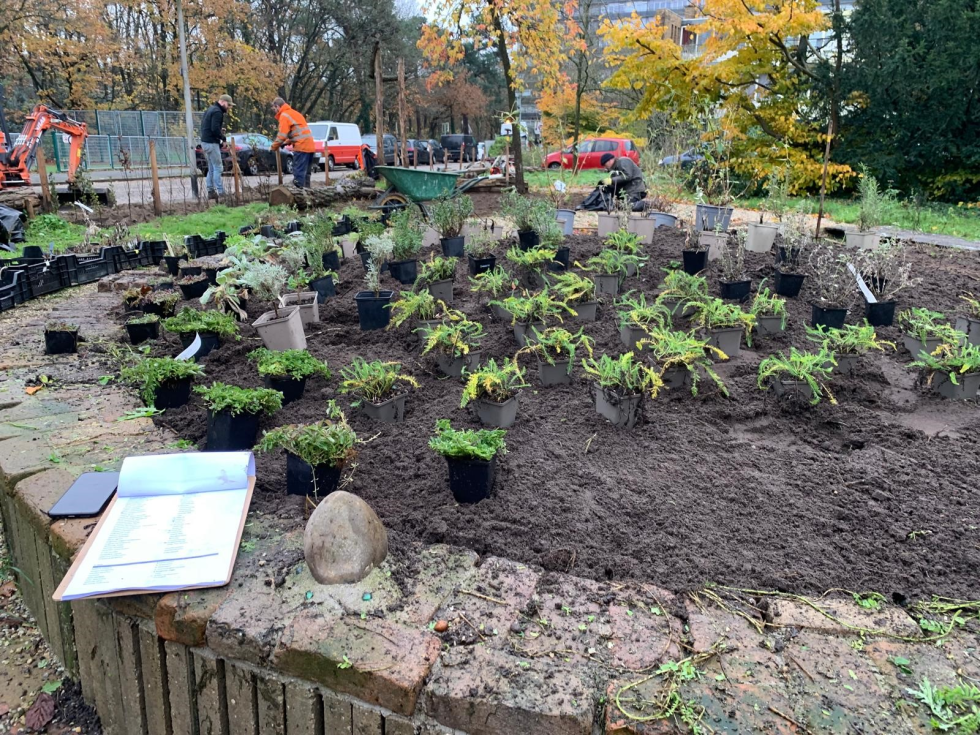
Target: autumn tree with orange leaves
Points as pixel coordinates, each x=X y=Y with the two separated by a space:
x=528 y=37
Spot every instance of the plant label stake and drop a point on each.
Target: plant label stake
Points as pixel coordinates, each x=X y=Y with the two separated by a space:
x=191 y=349
x=868 y=296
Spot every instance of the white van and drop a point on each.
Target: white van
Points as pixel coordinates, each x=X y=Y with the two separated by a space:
x=337 y=144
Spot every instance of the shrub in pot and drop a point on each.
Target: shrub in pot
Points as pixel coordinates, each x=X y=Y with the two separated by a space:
x=176 y=251
x=528 y=216
x=835 y=286
x=800 y=375
x=471 y=457
x=162 y=382
x=620 y=385
x=611 y=268
x=373 y=385
x=448 y=216
x=713 y=241
x=628 y=243
x=479 y=253
x=682 y=357
x=796 y=241
x=873 y=203
x=408 y=233
x=680 y=290
x=233 y=414
x=636 y=316
x=316 y=454
x=886 y=272
x=436 y=274
x=847 y=344
x=281 y=328
x=211 y=325
x=970 y=323
x=320 y=245
x=493 y=389
x=60 y=338
x=724 y=325
x=769 y=312
x=734 y=283
x=372 y=303
x=161 y=303
x=694 y=254
x=454 y=342
x=578 y=294
x=953 y=370
x=308 y=301
x=193 y=287
x=227 y=294
x=712 y=175
x=142 y=328
x=925 y=331
x=532 y=312
x=287 y=371
x=555 y=350
x=495 y=283
x=531 y=264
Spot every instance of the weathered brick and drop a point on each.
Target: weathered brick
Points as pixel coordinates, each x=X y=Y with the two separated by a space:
x=46 y=587
x=135 y=606
x=442 y=569
x=69 y=660
x=851 y=619
x=209 y=689
x=304 y=709
x=130 y=676
x=182 y=617
x=338 y=716
x=68 y=535
x=36 y=495
x=156 y=687
x=271 y=702
x=34 y=408
x=367 y=721
x=23 y=457
x=395 y=725
x=180 y=680
x=242 y=705
x=108 y=666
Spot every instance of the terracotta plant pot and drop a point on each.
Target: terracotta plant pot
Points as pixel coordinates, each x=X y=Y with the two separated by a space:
x=282 y=332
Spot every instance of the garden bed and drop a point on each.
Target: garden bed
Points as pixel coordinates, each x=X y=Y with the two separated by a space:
x=877 y=493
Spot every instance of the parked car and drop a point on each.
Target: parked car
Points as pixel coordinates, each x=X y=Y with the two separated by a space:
x=371 y=141
x=686 y=160
x=429 y=152
x=453 y=144
x=337 y=144
x=591 y=151
x=255 y=155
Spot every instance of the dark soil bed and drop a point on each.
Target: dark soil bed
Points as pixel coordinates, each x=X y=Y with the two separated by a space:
x=878 y=493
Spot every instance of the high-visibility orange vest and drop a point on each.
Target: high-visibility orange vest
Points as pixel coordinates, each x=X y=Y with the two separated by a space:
x=293 y=131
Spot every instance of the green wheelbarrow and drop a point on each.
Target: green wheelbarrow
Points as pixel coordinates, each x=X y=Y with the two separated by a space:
x=410 y=186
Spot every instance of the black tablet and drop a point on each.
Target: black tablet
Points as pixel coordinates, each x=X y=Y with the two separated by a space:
x=87 y=496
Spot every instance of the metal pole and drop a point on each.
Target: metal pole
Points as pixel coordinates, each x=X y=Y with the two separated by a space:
x=188 y=116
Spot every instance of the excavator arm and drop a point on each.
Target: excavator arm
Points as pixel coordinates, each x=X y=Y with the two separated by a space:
x=16 y=163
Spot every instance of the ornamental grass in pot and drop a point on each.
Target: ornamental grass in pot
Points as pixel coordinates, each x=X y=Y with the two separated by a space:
x=682 y=357
x=555 y=349
x=453 y=342
x=233 y=414
x=953 y=370
x=529 y=216
x=448 y=216
x=847 y=344
x=620 y=386
x=800 y=375
x=493 y=389
x=636 y=316
x=769 y=312
x=287 y=371
x=925 y=330
x=162 y=382
x=374 y=386
x=471 y=457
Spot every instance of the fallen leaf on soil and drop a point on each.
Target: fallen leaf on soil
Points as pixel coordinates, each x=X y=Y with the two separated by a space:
x=7 y=589
x=41 y=712
x=33 y=389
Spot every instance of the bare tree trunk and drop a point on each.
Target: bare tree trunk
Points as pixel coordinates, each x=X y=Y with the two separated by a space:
x=512 y=103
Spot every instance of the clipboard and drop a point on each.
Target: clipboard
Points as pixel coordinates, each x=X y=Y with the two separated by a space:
x=59 y=593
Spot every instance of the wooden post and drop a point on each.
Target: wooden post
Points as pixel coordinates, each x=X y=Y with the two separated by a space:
x=507 y=161
x=236 y=172
x=379 y=98
x=155 y=176
x=42 y=172
x=279 y=166
x=402 y=111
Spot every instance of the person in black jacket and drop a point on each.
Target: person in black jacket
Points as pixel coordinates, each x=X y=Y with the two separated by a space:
x=211 y=139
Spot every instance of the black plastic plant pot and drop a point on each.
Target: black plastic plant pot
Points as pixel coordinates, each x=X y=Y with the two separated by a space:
x=190 y=270
x=482 y=265
x=621 y=411
x=331 y=261
x=304 y=479
x=212 y=274
x=325 y=287
x=528 y=239
x=830 y=317
x=60 y=342
x=373 y=311
x=268 y=231
x=227 y=433
x=246 y=229
x=452 y=247
x=404 y=271
x=342 y=228
x=172 y=263
x=880 y=314
x=560 y=263
x=294 y=226
x=471 y=480
x=163 y=285
x=139 y=333
x=391 y=411
x=194 y=290
x=735 y=290
x=173 y=393
x=209 y=343
x=291 y=388
x=366 y=258
x=557 y=374
x=788 y=284
x=695 y=261
x=33 y=252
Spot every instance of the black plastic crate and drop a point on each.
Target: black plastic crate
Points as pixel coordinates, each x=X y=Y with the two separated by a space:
x=153 y=250
x=42 y=278
x=15 y=280
x=68 y=268
x=94 y=268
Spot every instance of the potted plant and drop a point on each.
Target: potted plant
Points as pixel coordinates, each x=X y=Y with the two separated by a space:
x=161 y=303
x=659 y=208
x=471 y=457
x=762 y=235
x=769 y=312
x=642 y=227
x=408 y=234
x=532 y=312
x=734 y=284
x=437 y=274
x=886 y=272
x=636 y=316
x=454 y=343
x=953 y=370
x=60 y=338
x=210 y=325
x=801 y=375
x=620 y=385
x=873 y=204
x=713 y=241
x=479 y=252
x=192 y=268
x=142 y=328
x=796 y=240
x=531 y=264
x=418 y=305
x=308 y=302
x=193 y=287
x=163 y=382
x=555 y=350
x=495 y=282
x=448 y=217
x=628 y=243
x=970 y=324
x=835 y=286
x=373 y=385
x=558 y=192
x=281 y=328
x=372 y=303
x=680 y=290
x=694 y=254
x=924 y=331
x=578 y=294
x=494 y=390
x=227 y=295
x=527 y=215
x=611 y=268
x=321 y=248
x=175 y=253
x=233 y=414
x=725 y=324
x=847 y=344
x=287 y=371
x=316 y=454
x=712 y=174
x=682 y=357
x=552 y=238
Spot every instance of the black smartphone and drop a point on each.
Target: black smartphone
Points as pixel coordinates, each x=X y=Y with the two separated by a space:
x=87 y=496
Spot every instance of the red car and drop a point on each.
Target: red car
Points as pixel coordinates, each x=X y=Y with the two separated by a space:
x=591 y=151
